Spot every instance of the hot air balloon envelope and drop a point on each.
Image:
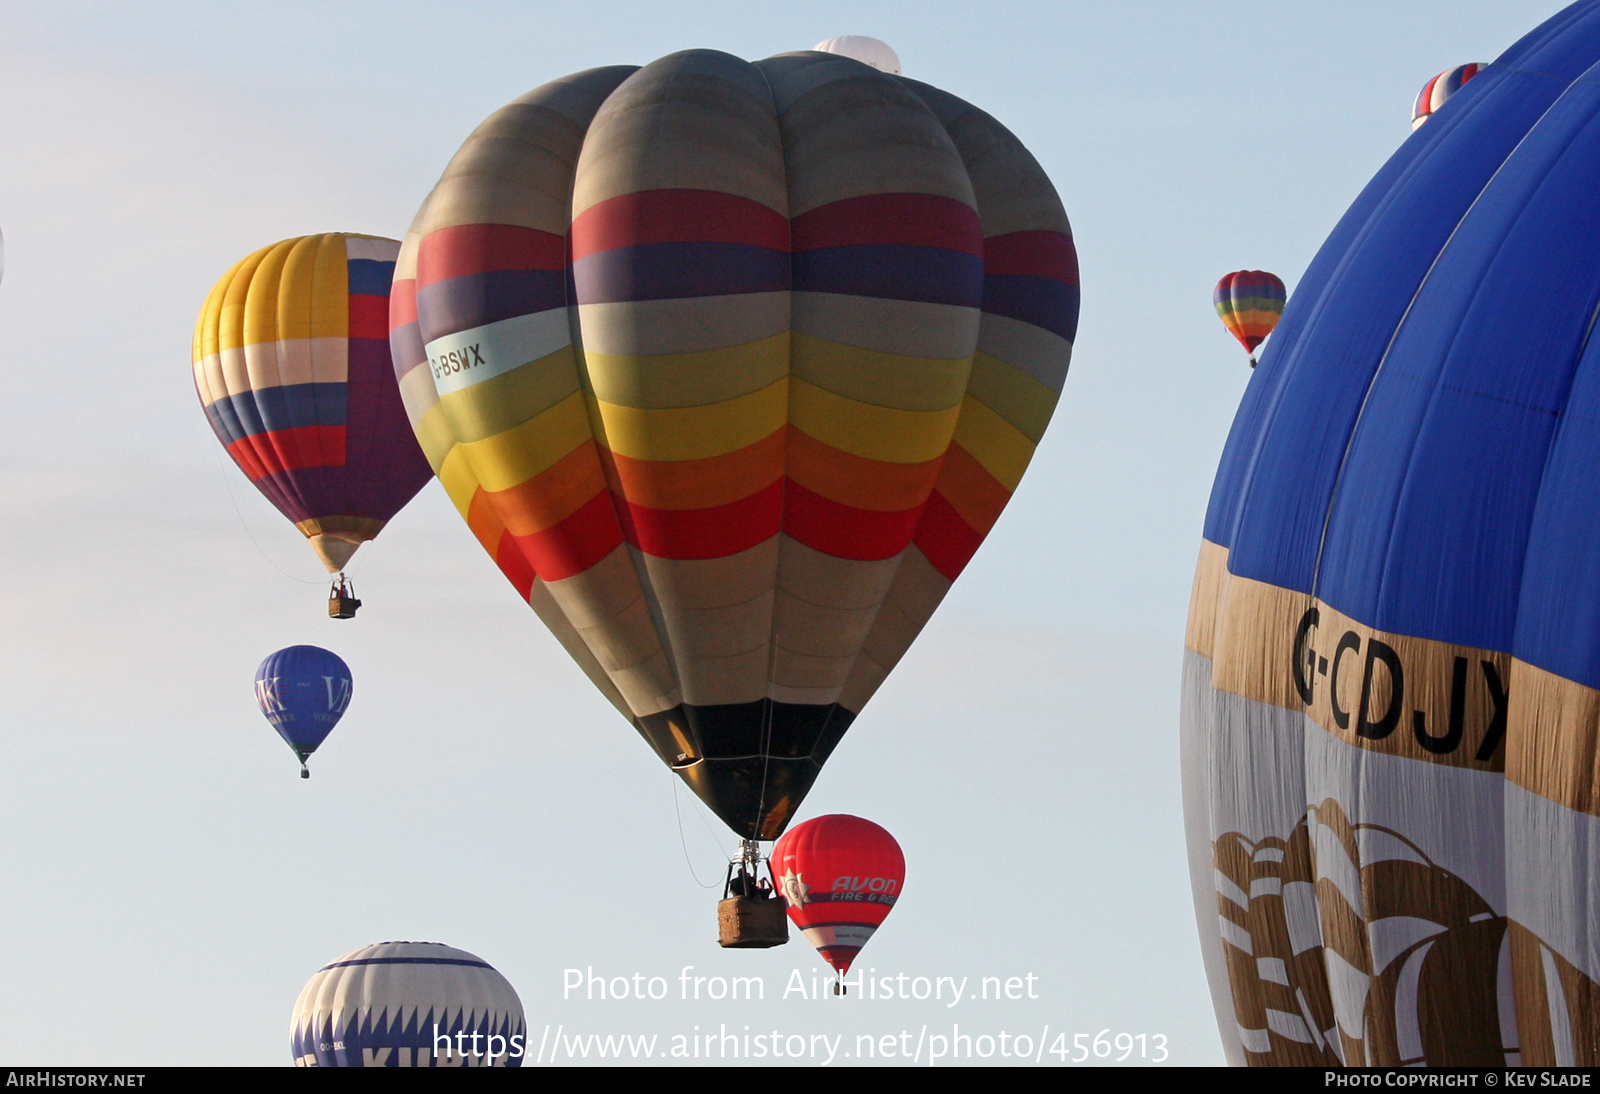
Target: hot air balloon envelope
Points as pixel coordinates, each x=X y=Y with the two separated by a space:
x=1392 y=686
x=1249 y=303
x=840 y=876
x=731 y=367
x=1440 y=88
x=291 y=361
x=303 y=691
x=408 y=1004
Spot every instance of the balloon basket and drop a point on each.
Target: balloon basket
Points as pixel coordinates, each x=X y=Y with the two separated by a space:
x=342 y=602
x=751 y=922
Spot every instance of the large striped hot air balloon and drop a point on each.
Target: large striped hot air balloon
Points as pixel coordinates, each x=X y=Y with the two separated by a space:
x=1249 y=303
x=731 y=367
x=291 y=360
x=1392 y=685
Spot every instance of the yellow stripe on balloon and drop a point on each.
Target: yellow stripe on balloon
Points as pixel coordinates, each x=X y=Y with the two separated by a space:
x=458 y=480
x=665 y=381
x=882 y=379
x=506 y=401
x=694 y=432
x=1000 y=447
x=518 y=454
x=434 y=435
x=1022 y=401
x=876 y=432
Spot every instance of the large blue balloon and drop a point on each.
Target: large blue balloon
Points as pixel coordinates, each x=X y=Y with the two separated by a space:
x=303 y=691
x=1391 y=713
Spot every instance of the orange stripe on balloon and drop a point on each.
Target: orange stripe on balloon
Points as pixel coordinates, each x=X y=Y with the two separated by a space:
x=485 y=522
x=696 y=484
x=552 y=495
x=855 y=481
x=969 y=489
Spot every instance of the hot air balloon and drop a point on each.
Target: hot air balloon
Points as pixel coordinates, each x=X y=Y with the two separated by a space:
x=839 y=877
x=1249 y=303
x=408 y=1004
x=291 y=361
x=731 y=367
x=303 y=691
x=1440 y=88
x=1392 y=683
x=869 y=51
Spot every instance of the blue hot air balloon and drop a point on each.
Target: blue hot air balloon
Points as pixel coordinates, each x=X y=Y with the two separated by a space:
x=303 y=691
x=1392 y=687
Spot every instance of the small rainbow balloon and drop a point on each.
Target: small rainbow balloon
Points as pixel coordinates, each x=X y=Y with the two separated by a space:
x=1250 y=303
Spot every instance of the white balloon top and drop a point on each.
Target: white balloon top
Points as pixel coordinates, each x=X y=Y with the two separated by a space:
x=868 y=51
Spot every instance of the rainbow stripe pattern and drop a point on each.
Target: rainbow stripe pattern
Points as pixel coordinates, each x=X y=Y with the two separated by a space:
x=731 y=367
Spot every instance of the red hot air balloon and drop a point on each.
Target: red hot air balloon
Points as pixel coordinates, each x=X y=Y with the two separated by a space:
x=1250 y=303
x=840 y=876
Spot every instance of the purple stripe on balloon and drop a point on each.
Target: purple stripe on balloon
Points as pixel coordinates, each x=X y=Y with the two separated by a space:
x=1042 y=301
x=932 y=275
x=461 y=303
x=662 y=271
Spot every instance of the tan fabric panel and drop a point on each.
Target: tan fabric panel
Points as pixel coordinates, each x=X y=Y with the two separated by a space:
x=1013 y=192
x=1209 y=575
x=822 y=579
x=888 y=326
x=723 y=136
x=851 y=131
x=683 y=325
x=1554 y=746
x=550 y=613
x=529 y=148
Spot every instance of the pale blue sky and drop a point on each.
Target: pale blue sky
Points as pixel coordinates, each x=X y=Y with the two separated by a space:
x=171 y=883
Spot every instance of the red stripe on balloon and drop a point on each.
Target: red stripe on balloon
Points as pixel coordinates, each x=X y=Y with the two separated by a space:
x=508 y=556
x=677 y=216
x=369 y=316
x=402 y=303
x=703 y=533
x=919 y=220
x=1032 y=254
x=289 y=450
x=948 y=541
x=575 y=544
x=844 y=531
x=482 y=248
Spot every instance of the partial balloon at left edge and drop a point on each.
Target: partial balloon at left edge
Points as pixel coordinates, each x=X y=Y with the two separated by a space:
x=291 y=362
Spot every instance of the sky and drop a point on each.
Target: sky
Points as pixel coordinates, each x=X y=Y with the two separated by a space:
x=169 y=883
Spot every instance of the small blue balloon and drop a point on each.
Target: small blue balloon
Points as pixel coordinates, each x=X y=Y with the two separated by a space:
x=303 y=691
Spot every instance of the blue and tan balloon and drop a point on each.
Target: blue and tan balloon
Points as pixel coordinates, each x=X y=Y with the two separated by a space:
x=1391 y=698
x=303 y=691
x=291 y=361
x=731 y=367
x=408 y=1004
x=1437 y=90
